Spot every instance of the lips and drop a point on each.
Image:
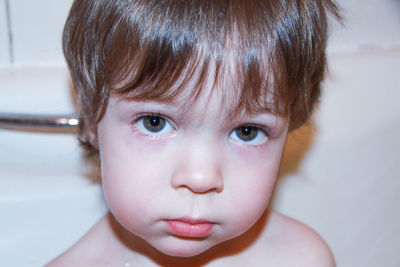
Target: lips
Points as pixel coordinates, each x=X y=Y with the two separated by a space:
x=188 y=227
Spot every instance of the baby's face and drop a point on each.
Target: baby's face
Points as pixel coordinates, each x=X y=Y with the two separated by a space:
x=186 y=180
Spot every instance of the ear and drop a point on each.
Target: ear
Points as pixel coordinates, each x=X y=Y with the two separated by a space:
x=93 y=140
x=91 y=136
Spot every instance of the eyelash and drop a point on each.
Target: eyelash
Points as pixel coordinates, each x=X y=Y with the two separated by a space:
x=137 y=119
x=140 y=117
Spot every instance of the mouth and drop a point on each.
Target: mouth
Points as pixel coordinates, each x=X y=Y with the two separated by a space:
x=189 y=227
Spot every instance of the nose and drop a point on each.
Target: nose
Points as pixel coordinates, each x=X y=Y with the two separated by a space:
x=199 y=170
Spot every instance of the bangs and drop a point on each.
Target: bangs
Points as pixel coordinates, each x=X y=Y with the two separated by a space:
x=166 y=77
x=178 y=57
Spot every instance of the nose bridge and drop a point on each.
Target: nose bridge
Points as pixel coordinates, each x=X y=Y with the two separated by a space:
x=199 y=169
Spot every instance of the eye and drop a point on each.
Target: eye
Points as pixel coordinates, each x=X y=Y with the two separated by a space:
x=153 y=124
x=251 y=135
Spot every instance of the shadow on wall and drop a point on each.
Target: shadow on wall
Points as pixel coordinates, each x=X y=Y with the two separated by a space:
x=398 y=4
x=298 y=144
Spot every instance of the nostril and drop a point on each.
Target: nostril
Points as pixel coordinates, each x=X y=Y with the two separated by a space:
x=199 y=180
x=211 y=190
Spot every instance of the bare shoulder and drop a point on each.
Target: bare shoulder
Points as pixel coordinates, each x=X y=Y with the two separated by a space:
x=296 y=244
x=68 y=258
x=77 y=255
x=64 y=259
x=86 y=252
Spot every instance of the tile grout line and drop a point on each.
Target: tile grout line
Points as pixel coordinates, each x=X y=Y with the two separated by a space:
x=394 y=47
x=10 y=36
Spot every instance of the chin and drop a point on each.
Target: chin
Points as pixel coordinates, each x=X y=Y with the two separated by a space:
x=185 y=248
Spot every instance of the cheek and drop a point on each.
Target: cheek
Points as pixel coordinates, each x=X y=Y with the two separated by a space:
x=252 y=182
x=121 y=193
x=128 y=175
x=251 y=198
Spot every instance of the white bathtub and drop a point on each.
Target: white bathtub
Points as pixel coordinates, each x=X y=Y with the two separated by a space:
x=46 y=203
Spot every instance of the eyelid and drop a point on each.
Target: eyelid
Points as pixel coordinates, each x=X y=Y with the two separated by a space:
x=139 y=116
x=266 y=130
x=157 y=114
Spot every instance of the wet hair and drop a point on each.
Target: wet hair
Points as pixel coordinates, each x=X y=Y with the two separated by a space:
x=269 y=54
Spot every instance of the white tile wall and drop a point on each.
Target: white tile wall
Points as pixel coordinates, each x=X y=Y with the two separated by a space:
x=36 y=29
x=4 y=48
x=368 y=23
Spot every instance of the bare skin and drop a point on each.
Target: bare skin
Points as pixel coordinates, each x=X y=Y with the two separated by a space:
x=275 y=240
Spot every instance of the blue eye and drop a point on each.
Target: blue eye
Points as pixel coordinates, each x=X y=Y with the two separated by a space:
x=249 y=134
x=154 y=125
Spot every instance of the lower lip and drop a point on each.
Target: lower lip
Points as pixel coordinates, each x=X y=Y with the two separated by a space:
x=185 y=229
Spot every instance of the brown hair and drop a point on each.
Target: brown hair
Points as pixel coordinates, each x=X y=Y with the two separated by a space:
x=151 y=49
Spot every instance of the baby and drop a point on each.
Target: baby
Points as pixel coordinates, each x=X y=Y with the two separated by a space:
x=188 y=104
